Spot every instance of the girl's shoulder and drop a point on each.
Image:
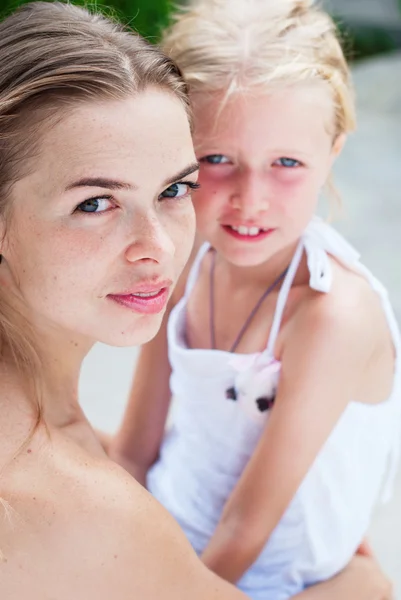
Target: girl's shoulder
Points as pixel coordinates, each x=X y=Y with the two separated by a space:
x=349 y=325
x=342 y=291
x=351 y=304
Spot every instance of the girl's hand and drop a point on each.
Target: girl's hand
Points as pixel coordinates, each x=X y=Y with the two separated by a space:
x=362 y=579
x=365 y=549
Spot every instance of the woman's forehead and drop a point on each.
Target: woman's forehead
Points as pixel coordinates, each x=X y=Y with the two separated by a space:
x=138 y=134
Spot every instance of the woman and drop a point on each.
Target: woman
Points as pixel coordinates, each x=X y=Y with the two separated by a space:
x=96 y=168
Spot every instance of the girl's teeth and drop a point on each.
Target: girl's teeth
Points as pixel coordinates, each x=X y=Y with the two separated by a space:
x=252 y=231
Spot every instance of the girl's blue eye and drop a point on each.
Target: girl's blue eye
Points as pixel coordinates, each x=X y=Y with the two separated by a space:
x=287 y=162
x=180 y=189
x=95 y=205
x=215 y=159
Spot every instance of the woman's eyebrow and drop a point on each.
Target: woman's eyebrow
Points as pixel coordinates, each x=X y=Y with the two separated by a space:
x=102 y=182
x=192 y=168
x=112 y=184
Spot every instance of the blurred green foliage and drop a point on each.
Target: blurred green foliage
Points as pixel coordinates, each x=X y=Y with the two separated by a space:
x=148 y=17
x=362 y=41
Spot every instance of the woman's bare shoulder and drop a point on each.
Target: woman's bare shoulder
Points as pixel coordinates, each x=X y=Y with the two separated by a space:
x=138 y=548
x=95 y=534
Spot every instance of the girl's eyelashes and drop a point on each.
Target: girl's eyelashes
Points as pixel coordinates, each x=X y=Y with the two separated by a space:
x=289 y=163
x=179 y=190
x=97 y=204
x=221 y=159
x=215 y=159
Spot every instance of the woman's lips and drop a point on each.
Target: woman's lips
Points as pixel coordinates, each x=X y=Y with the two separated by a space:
x=144 y=298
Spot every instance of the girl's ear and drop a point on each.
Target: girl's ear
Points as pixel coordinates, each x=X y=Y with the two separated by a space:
x=339 y=144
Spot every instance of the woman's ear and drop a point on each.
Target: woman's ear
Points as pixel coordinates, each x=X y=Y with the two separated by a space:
x=2 y=238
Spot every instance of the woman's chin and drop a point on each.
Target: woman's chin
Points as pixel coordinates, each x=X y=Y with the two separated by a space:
x=139 y=332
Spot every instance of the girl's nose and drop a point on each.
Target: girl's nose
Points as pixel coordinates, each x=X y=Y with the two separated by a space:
x=250 y=194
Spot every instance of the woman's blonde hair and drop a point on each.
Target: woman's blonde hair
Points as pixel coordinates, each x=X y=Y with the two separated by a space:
x=54 y=56
x=235 y=44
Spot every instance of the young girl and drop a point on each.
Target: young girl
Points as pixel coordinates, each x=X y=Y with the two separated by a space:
x=284 y=350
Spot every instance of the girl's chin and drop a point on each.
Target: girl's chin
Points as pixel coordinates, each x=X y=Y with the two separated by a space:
x=245 y=257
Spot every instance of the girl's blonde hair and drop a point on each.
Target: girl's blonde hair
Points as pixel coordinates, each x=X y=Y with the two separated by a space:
x=235 y=44
x=54 y=56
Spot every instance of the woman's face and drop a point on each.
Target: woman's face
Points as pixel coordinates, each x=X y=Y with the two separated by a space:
x=103 y=225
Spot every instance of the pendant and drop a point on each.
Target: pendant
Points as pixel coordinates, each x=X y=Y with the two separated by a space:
x=255 y=384
x=231 y=393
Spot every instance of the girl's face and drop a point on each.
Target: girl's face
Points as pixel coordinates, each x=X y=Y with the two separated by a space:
x=103 y=225
x=264 y=159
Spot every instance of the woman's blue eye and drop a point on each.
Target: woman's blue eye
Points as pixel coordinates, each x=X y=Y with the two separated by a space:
x=94 y=205
x=179 y=190
x=215 y=159
x=287 y=162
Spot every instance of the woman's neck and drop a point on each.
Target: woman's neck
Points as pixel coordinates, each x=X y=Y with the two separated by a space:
x=54 y=387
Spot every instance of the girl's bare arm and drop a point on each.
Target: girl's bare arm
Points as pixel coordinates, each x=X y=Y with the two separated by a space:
x=321 y=365
x=137 y=443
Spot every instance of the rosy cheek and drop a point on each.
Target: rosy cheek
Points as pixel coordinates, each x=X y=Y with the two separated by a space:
x=203 y=200
x=286 y=192
x=209 y=188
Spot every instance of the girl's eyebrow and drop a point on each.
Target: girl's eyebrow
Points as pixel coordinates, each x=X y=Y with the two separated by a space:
x=112 y=184
x=290 y=151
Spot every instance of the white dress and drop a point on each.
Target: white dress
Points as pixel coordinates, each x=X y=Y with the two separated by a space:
x=212 y=438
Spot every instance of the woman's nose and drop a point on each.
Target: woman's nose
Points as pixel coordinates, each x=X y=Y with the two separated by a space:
x=151 y=242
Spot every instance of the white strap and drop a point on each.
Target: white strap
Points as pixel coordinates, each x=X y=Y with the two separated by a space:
x=394 y=435
x=194 y=271
x=323 y=236
x=282 y=297
x=320 y=270
x=388 y=489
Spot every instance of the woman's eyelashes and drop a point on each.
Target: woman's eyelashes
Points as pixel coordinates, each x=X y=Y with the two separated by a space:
x=179 y=190
x=104 y=204
x=97 y=204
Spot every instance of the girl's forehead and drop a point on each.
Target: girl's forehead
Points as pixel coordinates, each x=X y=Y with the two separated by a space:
x=223 y=110
x=279 y=116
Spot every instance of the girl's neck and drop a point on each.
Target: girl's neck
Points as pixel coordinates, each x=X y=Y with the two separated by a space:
x=255 y=277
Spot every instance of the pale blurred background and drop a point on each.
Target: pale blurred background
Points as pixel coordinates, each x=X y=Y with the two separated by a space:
x=368 y=176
